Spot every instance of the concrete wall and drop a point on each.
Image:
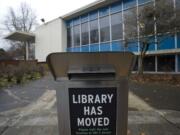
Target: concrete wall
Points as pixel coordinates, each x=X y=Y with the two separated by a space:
x=50 y=37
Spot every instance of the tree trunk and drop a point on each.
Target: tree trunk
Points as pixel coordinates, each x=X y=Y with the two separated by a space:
x=141 y=65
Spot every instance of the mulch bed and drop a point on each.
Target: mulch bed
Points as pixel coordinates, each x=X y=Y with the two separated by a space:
x=155 y=78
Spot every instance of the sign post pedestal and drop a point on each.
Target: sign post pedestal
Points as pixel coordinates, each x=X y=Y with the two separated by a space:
x=92 y=94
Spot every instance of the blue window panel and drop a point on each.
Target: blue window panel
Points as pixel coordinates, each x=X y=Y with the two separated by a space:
x=152 y=44
x=76 y=49
x=104 y=47
x=85 y=48
x=116 y=7
x=143 y=1
x=133 y=47
x=166 y=42
x=76 y=21
x=178 y=41
x=93 y=15
x=69 y=23
x=129 y=3
x=104 y=11
x=84 y=18
x=151 y=47
x=178 y=63
x=94 y=48
x=69 y=49
x=117 y=46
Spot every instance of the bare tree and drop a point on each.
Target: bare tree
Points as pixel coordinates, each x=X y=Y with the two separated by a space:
x=159 y=19
x=23 y=19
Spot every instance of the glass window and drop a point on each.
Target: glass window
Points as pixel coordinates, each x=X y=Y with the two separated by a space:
x=94 y=31
x=104 y=47
x=94 y=48
x=76 y=35
x=178 y=63
x=117 y=28
x=104 y=11
x=116 y=7
x=130 y=22
x=117 y=46
x=166 y=63
x=84 y=34
x=69 y=37
x=166 y=42
x=76 y=21
x=163 y=18
x=104 y=29
x=149 y=63
x=84 y=18
x=143 y=1
x=129 y=3
x=178 y=40
x=93 y=15
x=146 y=20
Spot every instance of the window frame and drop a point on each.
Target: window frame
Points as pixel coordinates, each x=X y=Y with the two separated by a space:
x=98 y=38
x=81 y=33
x=100 y=28
x=74 y=38
x=111 y=32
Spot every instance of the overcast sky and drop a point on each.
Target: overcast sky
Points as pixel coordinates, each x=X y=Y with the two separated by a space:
x=47 y=9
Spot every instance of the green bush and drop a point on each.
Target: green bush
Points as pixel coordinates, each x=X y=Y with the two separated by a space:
x=41 y=70
x=20 y=72
x=10 y=71
x=3 y=82
x=10 y=74
x=35 y=75
x=2 y=70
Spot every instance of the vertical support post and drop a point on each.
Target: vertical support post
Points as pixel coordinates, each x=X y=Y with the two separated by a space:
x=138 y=28
x=89 y=31
x=123 y=27
x=110 y=19
x=99 y=31
x=156 y=64
x=176 y=63
x=27 y=50
x=80 y=29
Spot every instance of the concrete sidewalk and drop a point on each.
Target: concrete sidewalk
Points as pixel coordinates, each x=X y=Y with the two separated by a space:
x=38 y=116
x=140 y=122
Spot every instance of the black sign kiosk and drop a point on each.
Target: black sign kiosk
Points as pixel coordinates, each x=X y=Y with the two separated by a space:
x=92 y=93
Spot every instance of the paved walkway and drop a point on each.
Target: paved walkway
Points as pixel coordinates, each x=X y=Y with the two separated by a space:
x=22 y=95
x=149 y=123
x=38 y=114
